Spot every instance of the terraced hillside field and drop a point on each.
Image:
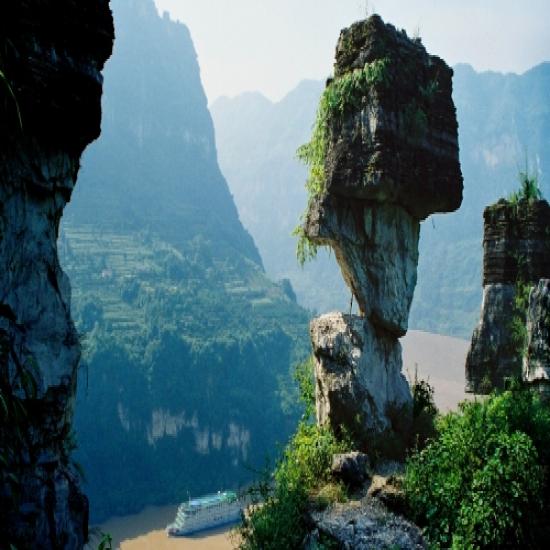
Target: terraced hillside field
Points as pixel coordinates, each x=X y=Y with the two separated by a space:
x=186 y=366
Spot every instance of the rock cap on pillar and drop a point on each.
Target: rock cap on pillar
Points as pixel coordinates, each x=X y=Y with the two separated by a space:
x=398 y=141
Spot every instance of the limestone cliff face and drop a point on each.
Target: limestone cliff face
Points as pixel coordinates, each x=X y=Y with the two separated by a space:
x=391 y=160
x=51 y=54
x=516 y=251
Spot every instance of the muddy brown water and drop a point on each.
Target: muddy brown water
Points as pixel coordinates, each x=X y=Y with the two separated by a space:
x=145 y=531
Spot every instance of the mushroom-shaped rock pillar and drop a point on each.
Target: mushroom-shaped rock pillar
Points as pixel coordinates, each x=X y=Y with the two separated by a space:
x=384 y=157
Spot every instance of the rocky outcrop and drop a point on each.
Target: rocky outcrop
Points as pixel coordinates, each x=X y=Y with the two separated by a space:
x=516 y=255
x=363 y=525
x=516 y=242
x=536 y=363
x=358 y=373
x=391 y=160
x=493 y=357
x=51 y=54
x=398 y=142
x=350 y=468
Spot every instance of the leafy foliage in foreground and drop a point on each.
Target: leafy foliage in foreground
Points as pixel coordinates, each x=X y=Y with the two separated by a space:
x=482 y=483
x=302 y=472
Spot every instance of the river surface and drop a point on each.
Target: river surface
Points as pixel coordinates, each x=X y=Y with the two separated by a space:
x=145 y=531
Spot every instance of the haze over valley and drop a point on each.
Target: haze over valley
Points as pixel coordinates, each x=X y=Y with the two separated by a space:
x=192 y=285
x=276 y=267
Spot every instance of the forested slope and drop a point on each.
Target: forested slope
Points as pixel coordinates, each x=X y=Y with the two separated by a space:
x=188 y=345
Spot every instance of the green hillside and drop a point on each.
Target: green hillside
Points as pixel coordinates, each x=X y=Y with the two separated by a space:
x=188 y=347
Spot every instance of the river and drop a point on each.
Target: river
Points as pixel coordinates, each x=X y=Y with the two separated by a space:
x=145 y=531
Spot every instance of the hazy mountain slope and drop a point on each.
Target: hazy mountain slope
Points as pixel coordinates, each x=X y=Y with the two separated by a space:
x=188 y=345
x=257 y=142
x=158 y=136
x=503 y=119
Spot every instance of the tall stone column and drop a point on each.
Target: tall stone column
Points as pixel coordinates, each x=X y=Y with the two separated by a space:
x=391 y=159
x=516 y=246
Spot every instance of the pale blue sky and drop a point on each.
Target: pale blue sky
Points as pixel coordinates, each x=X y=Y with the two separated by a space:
x=270 y=45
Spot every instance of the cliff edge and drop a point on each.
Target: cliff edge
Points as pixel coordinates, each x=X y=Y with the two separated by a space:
x=51 y=57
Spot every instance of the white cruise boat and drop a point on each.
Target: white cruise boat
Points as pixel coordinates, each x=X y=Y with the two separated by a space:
x=204 y=513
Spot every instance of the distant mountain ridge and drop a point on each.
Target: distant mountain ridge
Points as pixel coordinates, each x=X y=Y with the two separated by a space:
x=504 y=120
x=152 y=123
x=257 y=144
x=185 y=381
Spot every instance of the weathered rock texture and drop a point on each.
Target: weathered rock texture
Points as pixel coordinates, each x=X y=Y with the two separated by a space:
x=358 y=373
x=536 y=363
x=400 y=145
x=516 y=252
x=391 y=160
x=51 y=53
x=376 y=246
x=350 y=468
x=363 y=525
x=516 y=242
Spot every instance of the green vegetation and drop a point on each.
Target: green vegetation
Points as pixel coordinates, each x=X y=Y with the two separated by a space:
x=518 y=322
x=341 y=96
x=483 y=481
x=529 y=188
x=415 y=121
x=173 y=338
x=304 y=377
x=424 y=413
x=302 y=476
x=106 y=542
x=301 y=479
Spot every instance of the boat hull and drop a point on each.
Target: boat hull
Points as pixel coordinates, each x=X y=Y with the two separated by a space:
x=192 y=531
x=192 y=519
